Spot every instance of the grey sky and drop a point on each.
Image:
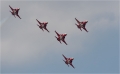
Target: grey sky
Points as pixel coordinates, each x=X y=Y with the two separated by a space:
x=27 y=49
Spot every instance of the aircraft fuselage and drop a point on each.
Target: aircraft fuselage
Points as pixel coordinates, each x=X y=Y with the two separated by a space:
x=61 y=37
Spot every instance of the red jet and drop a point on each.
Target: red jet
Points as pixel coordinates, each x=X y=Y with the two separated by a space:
x=61 y=37
x=81 y=25
x=42 y=25
x=68 y=61
x=15 y=11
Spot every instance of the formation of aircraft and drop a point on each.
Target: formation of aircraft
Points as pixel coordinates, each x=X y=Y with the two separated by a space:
x=42 y=25
x=15 y=11
x=68 y=61
x=81 y=24
x=61 y=37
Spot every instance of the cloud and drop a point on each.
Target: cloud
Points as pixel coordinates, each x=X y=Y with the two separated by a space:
x=23 y=42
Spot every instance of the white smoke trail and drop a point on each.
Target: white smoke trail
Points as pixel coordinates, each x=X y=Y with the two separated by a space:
x=2 y=22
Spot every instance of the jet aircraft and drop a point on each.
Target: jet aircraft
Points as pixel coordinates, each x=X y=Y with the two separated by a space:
x=42 y=25
x=81 y=24
x=61 y=37
x=68 y=61
x=15 y=11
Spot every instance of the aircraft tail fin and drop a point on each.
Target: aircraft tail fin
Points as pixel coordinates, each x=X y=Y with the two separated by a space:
x=64 y=60
x=37 y=25
x=11 y=13
x=55 y=37
x=76 y=25
x=66 y=63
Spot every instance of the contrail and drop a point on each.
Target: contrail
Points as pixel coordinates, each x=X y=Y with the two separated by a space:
x=2 y=22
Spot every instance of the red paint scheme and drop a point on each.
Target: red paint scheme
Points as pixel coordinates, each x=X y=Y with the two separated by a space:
x=61 y=37
x=81 y=25
x=42 y=25
x=15 y=12
x=68 y=61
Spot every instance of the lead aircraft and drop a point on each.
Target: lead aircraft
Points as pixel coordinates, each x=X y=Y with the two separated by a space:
x=68 y=61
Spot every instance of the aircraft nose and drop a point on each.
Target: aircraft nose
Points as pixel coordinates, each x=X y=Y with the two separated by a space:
x=73 y=58
x=65 y=34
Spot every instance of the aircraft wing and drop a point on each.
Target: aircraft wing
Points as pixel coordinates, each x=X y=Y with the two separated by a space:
x=38 y=22
x=85 y=29
x=18 y=16
x=57 y=33
x=11 y=8
x=46 y=28
x=17 y=12
x=64 y=57
x=84 y=24
x=72 y=65
x=45 y=25
x=77 y=21
x=64 y=40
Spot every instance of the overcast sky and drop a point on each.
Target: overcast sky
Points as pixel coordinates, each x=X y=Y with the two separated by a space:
x=27 y=49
